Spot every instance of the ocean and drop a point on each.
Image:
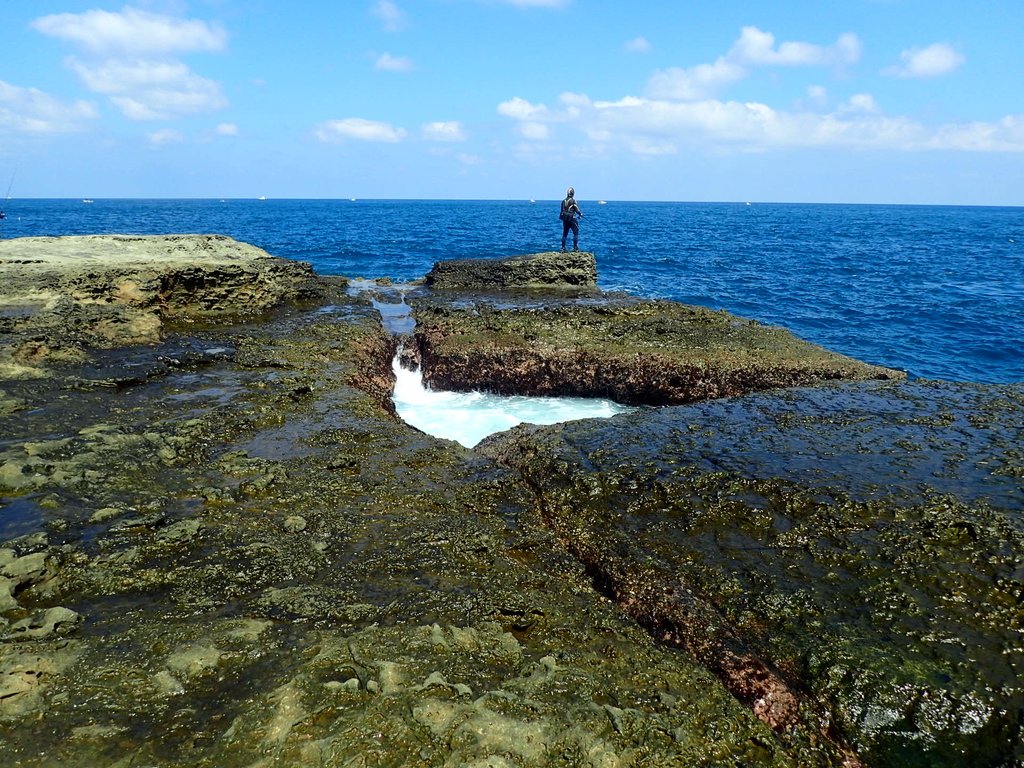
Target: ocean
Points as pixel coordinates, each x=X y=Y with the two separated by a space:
x=937 y=291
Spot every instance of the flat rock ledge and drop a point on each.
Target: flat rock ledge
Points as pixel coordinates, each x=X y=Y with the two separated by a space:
x=632 y=351
x=529 y=271
x=62 y=295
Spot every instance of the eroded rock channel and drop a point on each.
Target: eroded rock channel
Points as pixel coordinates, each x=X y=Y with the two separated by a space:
x=219 y=546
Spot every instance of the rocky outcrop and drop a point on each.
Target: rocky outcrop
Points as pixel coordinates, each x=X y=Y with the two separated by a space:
x=531 y=271
x=269 y=566
x=842 y=574
x=222 y=548
x=62 y=296
x=634 y=352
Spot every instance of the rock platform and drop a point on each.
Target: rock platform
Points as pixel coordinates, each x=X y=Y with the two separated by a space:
x=219 y=546
x=551 y=270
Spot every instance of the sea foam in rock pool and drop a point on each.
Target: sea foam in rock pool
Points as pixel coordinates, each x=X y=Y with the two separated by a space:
x=469 y=417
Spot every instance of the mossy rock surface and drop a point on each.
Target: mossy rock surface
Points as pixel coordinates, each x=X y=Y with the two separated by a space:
x=635 y=352
x=221 y=547
x=864 y=541
x=422 y=615
x=550 y=271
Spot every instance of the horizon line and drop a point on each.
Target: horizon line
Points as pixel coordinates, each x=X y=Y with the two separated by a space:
x=507 y=200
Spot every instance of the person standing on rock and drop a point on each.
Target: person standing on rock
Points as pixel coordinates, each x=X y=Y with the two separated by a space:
x=569 y=215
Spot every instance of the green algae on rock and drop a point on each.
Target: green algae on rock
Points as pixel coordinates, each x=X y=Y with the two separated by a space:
x=577 y=270
x=635 y=352
x=884 y=580
x=62 y=295
x=422 y=615
x=243 y=557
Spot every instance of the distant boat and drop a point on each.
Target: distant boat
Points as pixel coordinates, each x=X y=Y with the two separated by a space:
x=601 y=202
x=262 y=197
x=87 y=201
x=532 y=200
x=352 y=199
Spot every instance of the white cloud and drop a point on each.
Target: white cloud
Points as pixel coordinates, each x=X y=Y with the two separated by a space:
x=532 y=119
x=32 y=111
x=132 y=31
x=391 y=16
x=151 y=90
x=818 y=95
x=664 y=126
x=335 y=131
x=681 y=112
x=696 y=82
x=520 y=109
x=863 y=103
x=1005 y=135
x=753 y=48
x=227 y=129
x=443 y=131
x=638 y=45
x=534 y=131
x=932 y=61
x=388 y=63
x=128 y=58
x=739 y=125
x=757 y=48
x=164 y=136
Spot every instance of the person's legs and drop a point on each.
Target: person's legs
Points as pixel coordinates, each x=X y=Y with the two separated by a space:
x=565 y=232
x=575 y=235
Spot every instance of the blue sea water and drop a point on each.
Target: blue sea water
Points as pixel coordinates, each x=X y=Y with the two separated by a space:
x=937 y=291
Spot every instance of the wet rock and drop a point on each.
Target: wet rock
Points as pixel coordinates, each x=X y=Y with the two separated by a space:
x=7 y=601
x=533 y=271
x=447 y=610
x=859 y=542
x=294 y=524
x=25 y=674
x=105 y=514
x=20 y=573
x=44 y=624
x=181 y=532
x=10 y=405
x=193 y=660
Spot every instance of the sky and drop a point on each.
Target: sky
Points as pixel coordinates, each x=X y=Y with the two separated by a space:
x=860 y=101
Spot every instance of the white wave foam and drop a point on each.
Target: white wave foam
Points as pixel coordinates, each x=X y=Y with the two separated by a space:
x=469 y=417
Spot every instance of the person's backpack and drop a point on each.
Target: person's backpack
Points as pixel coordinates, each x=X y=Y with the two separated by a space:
x=567 y=206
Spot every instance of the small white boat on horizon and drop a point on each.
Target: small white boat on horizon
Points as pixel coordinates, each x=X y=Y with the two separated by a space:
x=86 y=200
x=262 y=197
x=602 y=202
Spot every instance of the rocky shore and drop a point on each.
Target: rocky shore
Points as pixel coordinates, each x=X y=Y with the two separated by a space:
x=219 y=545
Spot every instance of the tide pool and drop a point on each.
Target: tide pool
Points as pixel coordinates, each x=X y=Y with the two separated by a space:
x=469 y=417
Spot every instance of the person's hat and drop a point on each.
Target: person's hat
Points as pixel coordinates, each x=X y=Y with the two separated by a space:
x=570 y=192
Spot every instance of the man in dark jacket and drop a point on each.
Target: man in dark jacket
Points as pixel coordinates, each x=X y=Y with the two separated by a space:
x=569 y=214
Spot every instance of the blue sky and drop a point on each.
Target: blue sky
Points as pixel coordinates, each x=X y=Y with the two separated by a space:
x=890 y=101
